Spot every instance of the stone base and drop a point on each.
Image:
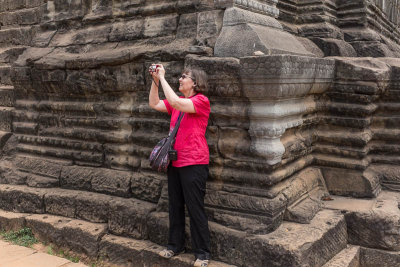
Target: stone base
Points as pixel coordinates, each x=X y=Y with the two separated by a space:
x=244 y=33
x=75 y=214
x=91 y=240
x=371 y=223
x=291 y=244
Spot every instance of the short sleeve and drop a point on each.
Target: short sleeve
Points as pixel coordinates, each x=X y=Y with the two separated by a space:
x=201 y=104
x=168 y=106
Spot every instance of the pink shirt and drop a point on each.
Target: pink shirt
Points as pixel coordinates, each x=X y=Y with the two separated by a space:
x=191 y=143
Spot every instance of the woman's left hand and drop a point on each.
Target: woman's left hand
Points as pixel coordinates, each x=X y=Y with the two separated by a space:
x=160 y=71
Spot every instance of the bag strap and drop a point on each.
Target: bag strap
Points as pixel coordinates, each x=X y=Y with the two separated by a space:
x=176 y=127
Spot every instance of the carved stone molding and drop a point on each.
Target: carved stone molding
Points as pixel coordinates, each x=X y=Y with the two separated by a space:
x=277 y=87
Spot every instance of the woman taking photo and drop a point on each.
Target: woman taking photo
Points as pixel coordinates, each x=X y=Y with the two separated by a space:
x=188 y=174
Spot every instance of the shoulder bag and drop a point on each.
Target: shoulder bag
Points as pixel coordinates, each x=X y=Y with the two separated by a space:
x=159 y=157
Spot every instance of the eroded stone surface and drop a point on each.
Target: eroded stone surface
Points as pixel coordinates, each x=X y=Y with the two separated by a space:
x=375 y=257
x=80 y=236
x=348 y=257
x=371 y=223
x=74 y=110
x=326 y=235
x=11 y=221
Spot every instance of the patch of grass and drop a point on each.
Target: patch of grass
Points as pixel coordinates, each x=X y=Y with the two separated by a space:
x=23 y=237
x=50 y=250
x=61 y=253
x=68 y=256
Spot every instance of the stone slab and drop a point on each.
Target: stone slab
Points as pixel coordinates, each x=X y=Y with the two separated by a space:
x=125 y=216
x=292 y=244
x=129 y=217
x=129 y=252
x=325 y=236
x=21 y=198
x=78 y=235
x=11 y=221
x=348 y=257
x=305 y=210
x=100 y=180
x=10 y=253
x=375 y=257
x=349 y=204
x=371 y=223
x=37 y=260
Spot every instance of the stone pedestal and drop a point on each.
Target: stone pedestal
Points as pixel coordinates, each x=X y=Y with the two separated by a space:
x=279 y=89
x=255 y=29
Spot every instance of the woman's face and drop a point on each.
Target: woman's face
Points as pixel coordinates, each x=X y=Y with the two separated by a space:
x=186 y=83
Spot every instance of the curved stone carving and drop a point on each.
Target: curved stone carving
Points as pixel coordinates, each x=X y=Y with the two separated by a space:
x=277 y=88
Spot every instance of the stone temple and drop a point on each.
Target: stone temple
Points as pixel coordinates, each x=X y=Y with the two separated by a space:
x=304 y=133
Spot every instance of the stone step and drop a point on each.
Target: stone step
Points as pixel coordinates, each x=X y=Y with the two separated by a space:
x=376 y=257
x=7 y=96
x=348 y=257
x=91 y=239
x=304 y=210
x=124 y=251
x=291 y=244
x=371 y=223
x=78 y=235
x=124 y=216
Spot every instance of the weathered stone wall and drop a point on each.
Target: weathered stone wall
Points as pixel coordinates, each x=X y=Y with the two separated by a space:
x=287 y=124
x=81 y=118
x=361 y=28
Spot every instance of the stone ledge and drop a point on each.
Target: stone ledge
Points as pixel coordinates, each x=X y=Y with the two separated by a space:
x=371 y=223
x=81 y=236
x=92 y=240
x=124 y=216
x=291 y=244
x=348 y=257
x=124 y=251
x=376 y=257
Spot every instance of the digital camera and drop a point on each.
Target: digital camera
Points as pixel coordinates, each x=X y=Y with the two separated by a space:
x=153 y=68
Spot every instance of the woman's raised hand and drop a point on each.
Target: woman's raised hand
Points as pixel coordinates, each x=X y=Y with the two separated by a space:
x=160 y=71
x=153 y=71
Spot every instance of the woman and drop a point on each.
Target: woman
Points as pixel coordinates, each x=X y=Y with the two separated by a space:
x=188 y=174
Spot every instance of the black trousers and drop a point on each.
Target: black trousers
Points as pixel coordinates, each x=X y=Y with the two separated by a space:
x=187 y=185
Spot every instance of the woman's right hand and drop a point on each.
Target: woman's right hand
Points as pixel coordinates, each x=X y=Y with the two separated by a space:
x=154 y=74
